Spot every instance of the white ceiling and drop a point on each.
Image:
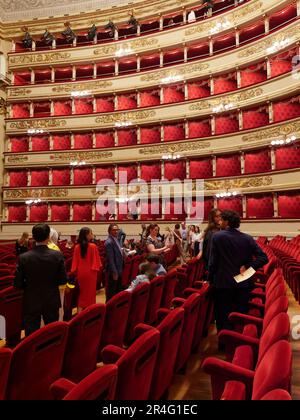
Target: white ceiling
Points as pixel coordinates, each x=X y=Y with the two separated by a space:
x=13 y=10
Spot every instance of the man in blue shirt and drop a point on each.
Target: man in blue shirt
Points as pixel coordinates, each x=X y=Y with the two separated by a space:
x=232 y=253
x=158 y=268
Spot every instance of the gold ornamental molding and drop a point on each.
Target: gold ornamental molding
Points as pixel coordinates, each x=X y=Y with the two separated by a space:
x=81 y=156
x=270 y=41
x=39 y=193
x=27 y=124
x=173 y=148
x=17 y=159
x=281 y=130
x=125 y=116
x=19 y=92
x=227 y=184
x=2 y=106
x=233 y=99
x=161 y=39
x=38 y=58
x=231 y=17
x=67 y=88
x=174 y=73
x=136 y=44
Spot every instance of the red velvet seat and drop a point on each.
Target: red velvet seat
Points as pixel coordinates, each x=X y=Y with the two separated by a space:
x=98 y=385
x=135 y=366
x=4 y=272
x=204 y=314
x=191 y=309
x=37 y=363
x=85 y=330
x=169 y=288
x=170 y=326
x=11 y=307
x=274 y=371
x=5 y=358
x=116 y=316
x=140 y=296
x=246 y=351
x=154 y=301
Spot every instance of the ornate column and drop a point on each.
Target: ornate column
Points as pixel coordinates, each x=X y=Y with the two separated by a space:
x=244 y=204
x=242 y=156
x=275 y=204
x=214 y=165
x=273 y=159
x=162 y=133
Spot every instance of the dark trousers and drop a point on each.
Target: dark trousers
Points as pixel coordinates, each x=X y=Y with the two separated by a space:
x=227 y=301
x=113 y=286
x=32 y=320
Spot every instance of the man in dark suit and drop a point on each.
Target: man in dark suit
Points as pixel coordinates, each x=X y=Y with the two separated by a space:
x=39 y=273
x=115 y=259
x=232 y=253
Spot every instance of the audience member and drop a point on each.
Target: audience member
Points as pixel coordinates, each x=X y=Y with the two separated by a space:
x=153 y=244
x=39 y=273
x=85 y=266
x=197 y=239
x=158 y=268
x=115 y=262
x=121 y=236
x=212 y=227
x=53 y=239
x=184 y=235
x=178 y=242
x=232 y=253
x=191 y=17
x=145 y=275
x=22 y=244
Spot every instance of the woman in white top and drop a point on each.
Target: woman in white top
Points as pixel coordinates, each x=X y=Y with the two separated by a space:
x=191 y=17
x=197 y=240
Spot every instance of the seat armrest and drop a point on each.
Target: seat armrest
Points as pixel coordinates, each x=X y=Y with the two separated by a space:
x=177 y=302
x=141 y=329
x=111 y=354
x=60 y=388
x=162 y=313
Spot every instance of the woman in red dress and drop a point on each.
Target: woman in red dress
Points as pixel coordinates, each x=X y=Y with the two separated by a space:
x=85 y=266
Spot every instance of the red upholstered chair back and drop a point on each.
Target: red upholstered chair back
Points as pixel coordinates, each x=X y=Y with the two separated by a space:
x=97 y=386
x=279 y=305
x=274 y=294
x=278 y=329
x=200 y=328
x=136 y=366
x=4 y=272
x=137 y=312
x=117 y=310
x=5 y=358
x=169 y=288
x=137 y=259
x=191 y=310
x=37 y=363
x=81 y=353
x=170 y=334
x=11 y=307
x=274 y=370
x=154 y=301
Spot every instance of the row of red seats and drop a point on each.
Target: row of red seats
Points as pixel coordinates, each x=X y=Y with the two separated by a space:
x=145 y=369
x=258 y=355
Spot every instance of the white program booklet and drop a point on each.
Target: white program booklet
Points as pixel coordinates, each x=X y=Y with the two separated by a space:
x=245 y=276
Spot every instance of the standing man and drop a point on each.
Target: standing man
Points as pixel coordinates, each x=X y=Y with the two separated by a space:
x=114 y=268
x=184 y=237
x=232 y=253
x=39 y=273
